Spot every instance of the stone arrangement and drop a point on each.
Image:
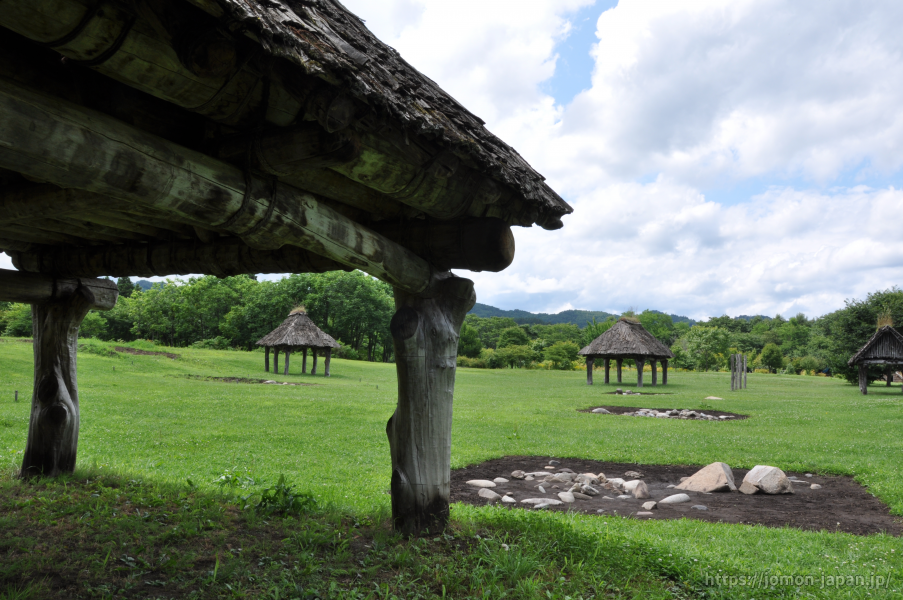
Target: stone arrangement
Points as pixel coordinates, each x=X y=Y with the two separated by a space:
x=561 y=486
x=674 y=413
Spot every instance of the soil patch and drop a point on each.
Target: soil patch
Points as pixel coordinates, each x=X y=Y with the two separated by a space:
x=623 y=410
x=840 y=505
x=145 y=352
x=640 y=393
x=245 y=380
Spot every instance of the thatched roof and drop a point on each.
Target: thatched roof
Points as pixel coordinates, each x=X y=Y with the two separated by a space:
x=886 y=345
x=329 y=41
x=627 y=339
x=299 y=331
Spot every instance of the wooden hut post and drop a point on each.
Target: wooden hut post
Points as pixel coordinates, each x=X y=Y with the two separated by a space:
x=266 y=359
x=276 y=360
x=653 y=362
x=288 y=353
x=733 y=371
x=313 y=368
x=304 y=361
x=589 y=370
x=619 y=362
x=890 y=375
x=326 y=364
x=744 y=371
x=664 y=371
x=606 y=362
x=863 y=379
x=425 y=331
x=639 y=371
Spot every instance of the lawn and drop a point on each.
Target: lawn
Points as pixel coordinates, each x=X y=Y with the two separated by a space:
x=156 y=422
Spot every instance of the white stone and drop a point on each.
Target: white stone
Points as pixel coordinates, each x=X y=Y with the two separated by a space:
x=589 y=490
x=542 y=490
x=640 y=491
x=540 y=501
x=671 y=485
x=770 y=480
x=700 y=507
x=713 y=398
x=617 y=482
x=601 y=411
x=269 y=381
x=624 y=497
x=675 y=499
x=566 y=497
x=481 y=483
x=580 y=496
x=489 y=495
x=644 y=513
x=518 y=474
x=716 y=477
x=814 y=486
x=650 y=505
x=500 y=480
x=508 y=500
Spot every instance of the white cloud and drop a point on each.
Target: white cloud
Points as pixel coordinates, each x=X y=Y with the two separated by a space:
x=5 y=261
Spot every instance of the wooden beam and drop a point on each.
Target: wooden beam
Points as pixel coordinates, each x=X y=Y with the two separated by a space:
x=223 y=258
x=425 y=336
x=607 y=366
x=286 y=150
x=589 y=370
x=665 y=371
x=52 y=140
x=23 y=233
x=29 y=288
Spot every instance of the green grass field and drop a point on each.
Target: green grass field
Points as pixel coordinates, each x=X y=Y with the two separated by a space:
x=150 y=419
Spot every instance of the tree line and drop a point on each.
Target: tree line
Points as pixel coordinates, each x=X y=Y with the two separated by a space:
x=354 y=308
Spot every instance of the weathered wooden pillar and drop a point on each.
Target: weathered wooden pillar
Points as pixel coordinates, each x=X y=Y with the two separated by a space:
x=890 y=376
x=606 y=363
x=313 y=368
x=654 y=362
x=744 y=371
x=425 y=331
x=639 y=371
x=665 y=372
x=276 y=360
x=58 y=307
x=863 y=379
x=589 y=370
x=288 y=353
x=326 y=364
x=733 y=371
x=619 y=362
x=266 y=359
x=304 y=362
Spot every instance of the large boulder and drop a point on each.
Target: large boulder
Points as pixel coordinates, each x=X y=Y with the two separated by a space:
x=716 y=477
x=765 y=479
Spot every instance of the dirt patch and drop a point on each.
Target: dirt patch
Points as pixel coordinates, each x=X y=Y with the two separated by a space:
x=137 y=352
x=840 y=505
x=245 y=380
x=623 y=410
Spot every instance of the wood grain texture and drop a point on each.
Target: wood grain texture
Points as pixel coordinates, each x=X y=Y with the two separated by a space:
x=29 y=288
x=425 y=332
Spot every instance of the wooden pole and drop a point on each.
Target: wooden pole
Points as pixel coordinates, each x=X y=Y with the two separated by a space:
x=52 y=140
x=619 y=362
x=52 y=442
x=665 y=372
x=863 y=379
x=266 y=359
x=744 y=371
x=425 y=336
x=890 y=375
x=654 y=364
x=589 y=370
x=639 y=371
x=606 y=362
x=288 y=353
x=304 y=362
x=313 y=368
x=326 y=364
x=733 y=371
x=276 y=360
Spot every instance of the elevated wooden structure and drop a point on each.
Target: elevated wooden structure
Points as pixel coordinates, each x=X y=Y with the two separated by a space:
x=885 y=350
x=159 y=137
x=296 y=333
x=627 y=339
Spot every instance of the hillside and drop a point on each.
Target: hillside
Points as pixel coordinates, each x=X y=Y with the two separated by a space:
x=576 y=317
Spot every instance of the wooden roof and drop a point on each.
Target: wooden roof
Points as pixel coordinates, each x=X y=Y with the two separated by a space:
x=298 y=331
x=885 y=346
x=627 y=339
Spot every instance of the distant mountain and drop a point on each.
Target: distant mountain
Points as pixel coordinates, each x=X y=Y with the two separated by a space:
x=576 y=317
x=144 y=284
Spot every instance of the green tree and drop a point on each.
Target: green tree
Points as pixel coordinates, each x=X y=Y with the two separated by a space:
x=562 y=355
x=18 y=320
x=92 y=326
x=595 y=328
x=469 y=343
x=708 y=346
x=658 y=324
x=490 y=328
x=513 y=336
x=772 y=357
x=126 y=287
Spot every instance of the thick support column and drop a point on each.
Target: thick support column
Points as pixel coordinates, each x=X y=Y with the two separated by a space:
x=619 y=363
x=266 y=359
x=326 y=364
x=745 y=369
x=890 y=375
x=276 y=361
x=665 y=372
x=304 y=362
x=640 y=363
x=654 y=364
x=425 y=332
x=288 y=353
x=313 y=368
x=863 y=379
x=589 y=370
x=607 y=364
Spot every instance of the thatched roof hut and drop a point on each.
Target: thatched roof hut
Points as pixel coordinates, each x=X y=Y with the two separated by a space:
x=297 y=332
x=884 y=349
x=627 y=339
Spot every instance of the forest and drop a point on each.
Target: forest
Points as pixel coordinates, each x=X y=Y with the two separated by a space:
x=355 y=309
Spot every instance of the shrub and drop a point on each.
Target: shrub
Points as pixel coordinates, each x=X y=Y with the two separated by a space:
x=18 y=320
x=473 y=363
x=771 y=357
x=217 y=343
x=562 y=355
x=347 y=352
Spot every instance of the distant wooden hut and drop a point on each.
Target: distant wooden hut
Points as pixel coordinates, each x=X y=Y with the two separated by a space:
x=885 y=348
x=627 y=339
x=297 y=332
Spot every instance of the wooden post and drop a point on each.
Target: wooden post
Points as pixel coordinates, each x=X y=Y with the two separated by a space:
x=304 y=362
x=266 y=359
x=326 y=364
x=744 y=371
x=890 y=375
x=276 y=360
x=313 y=368
x=733 y=371
x=606 y=362
x=665 y=371
x=863 y=379
x=654 y=364
x=639 y=371
x=425 y=331
x=619 y=362
x=288 y=353
x=589 y=370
